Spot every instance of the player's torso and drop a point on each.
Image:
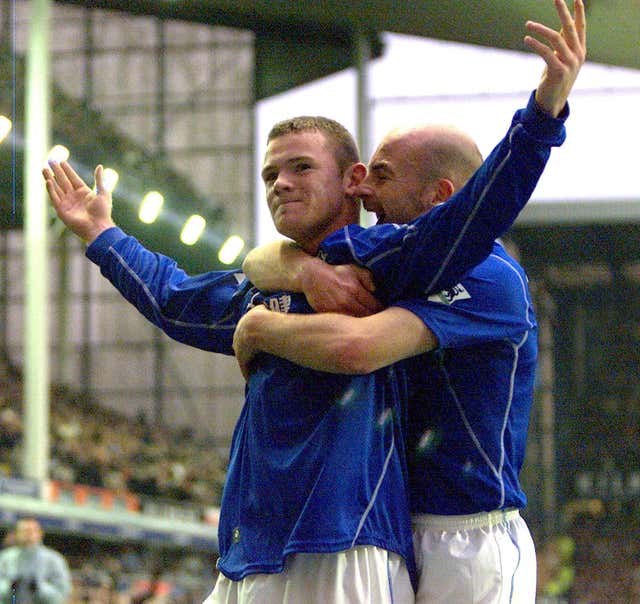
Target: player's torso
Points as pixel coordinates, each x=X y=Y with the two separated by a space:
x=470 y=402
x=317 y=462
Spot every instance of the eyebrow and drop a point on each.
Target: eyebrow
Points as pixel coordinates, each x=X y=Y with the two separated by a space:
x=380 y=165
x=291 y=160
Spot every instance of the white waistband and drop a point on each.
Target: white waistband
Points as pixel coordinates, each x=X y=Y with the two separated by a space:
x=439 y=522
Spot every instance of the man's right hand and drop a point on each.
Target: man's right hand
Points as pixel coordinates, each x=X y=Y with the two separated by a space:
x=85 y=212
x=564 y=53
x=345 y=289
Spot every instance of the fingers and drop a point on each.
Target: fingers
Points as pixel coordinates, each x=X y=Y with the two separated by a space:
x=52 y=187
x=99 y=178
x=580 y=22
x=569 y=41
x=574 y=29
x=556 y=41
x=547 y=53
x=61 y=179
x=54 y=190
x=366 y=279
x=64 y=176
x=370 y=304
x=73 y=178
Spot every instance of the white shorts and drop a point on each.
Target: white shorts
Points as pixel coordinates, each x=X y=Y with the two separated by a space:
x=486 y=558
x=361 y=575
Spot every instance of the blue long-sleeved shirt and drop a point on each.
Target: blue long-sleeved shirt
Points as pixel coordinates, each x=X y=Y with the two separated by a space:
x=317 y=460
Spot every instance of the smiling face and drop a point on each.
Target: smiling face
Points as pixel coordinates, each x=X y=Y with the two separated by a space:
x=414 y=170
x=307 y=194
x=395 y=187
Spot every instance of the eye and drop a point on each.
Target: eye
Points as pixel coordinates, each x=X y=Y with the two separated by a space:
x=301 y=167
x=269 y=178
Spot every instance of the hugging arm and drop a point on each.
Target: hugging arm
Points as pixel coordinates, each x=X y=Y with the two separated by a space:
x=332 y=342
x=283 y=265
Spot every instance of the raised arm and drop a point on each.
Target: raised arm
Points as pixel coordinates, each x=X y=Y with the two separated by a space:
x=439 y=248
x=332 y=342
x=435 y=251
x=197 y=310
x=283 y=265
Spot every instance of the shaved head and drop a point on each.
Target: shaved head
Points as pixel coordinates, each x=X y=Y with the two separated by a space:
x=415 y=169
x=438 y=151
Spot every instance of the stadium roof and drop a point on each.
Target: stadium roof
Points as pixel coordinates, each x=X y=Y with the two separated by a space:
x=614 y=25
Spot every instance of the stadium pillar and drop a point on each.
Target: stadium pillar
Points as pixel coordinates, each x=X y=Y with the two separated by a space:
x=546 y=368
x=36 y=320
x=362 y=52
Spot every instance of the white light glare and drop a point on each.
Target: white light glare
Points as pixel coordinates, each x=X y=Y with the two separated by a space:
x=192 y=229
x=231 y=249
x=110 y=179
x=5 y=127
x=58 y=153
x=150 y=207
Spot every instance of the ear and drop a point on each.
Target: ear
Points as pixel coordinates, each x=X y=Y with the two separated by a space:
x=444 y=189
x=437 y=192
x=353 y=176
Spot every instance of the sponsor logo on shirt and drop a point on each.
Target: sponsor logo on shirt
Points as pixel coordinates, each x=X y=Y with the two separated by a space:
x=280 y=304
x=449 y=296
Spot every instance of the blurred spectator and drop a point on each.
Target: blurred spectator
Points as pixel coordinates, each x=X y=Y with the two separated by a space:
x=30 y=572
x=556 y=571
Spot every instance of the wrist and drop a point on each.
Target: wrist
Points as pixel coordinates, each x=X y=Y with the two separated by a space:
x=96 y=230
x=550 y=106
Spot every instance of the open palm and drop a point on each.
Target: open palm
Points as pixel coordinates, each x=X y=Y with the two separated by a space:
x=86 y=212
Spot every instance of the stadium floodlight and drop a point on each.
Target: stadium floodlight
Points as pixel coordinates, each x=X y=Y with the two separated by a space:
x=150 y=207
x=58 y=153
x=5 y=127
x=192 y=229
x=231 y=249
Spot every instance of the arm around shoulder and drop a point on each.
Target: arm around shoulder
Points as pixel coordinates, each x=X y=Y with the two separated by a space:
x=333 y=342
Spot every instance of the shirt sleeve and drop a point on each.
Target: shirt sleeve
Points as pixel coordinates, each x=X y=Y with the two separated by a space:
x=491 y=303
x=201 y=310
x=437 y=249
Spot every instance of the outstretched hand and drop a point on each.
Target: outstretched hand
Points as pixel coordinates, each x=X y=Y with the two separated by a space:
x=86 y=212
x=564 y=53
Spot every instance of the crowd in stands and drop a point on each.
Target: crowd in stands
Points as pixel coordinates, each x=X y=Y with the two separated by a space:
x=99 y=447
x=595 y=560
x=131 y=576
x=118 y=573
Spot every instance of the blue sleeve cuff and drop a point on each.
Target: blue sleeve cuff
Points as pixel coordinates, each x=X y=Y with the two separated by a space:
x=541 y=126
x=101 y=244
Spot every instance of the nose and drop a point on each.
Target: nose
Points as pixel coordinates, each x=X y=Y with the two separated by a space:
x=364 y=191
x=282 y=183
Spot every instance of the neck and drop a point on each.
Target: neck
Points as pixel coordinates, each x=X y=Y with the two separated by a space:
x=312 y=245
